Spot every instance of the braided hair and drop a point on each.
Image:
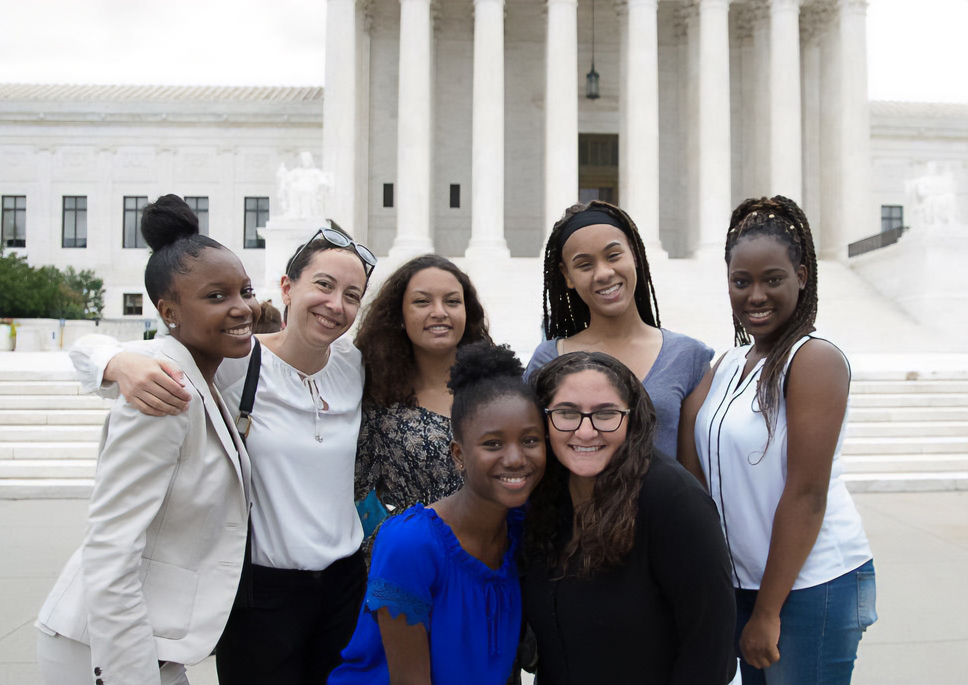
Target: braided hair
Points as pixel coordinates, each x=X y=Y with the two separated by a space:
x=565 y=314
x=783 y=219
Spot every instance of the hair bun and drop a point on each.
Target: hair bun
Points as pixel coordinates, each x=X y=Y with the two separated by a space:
x=481 y=360
x=166 y=221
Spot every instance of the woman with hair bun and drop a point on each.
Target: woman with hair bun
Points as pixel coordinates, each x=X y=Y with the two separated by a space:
x=443 y=601
x=152 y=586
x=764 y=430
x=297 y=604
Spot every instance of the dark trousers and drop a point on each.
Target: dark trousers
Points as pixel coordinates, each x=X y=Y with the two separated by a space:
x=296 y=626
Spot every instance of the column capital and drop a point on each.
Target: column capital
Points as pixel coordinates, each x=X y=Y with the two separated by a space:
x=685 y=12
x=815 y=17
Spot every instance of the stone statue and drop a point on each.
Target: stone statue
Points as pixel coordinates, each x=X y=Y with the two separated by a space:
x=935 y=203
x=300 y=190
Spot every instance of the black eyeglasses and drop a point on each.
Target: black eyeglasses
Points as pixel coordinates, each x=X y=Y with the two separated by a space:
x=337 y=237
x=603 y=420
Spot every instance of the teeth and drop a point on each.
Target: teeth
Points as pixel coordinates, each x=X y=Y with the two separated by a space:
x=328 y=323
x=516 y=479
x=240 y=331
x=579 y=448
x=609 y=290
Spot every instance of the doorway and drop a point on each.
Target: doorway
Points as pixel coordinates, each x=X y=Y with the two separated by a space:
x=598 y=167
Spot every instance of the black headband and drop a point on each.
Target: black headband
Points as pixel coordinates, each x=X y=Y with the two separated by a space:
x=589 y=217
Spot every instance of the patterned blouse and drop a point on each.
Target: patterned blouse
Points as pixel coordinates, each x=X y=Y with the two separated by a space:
x=404 y=452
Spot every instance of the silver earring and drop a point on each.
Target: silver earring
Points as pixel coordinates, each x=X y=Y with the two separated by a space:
x=173 y=326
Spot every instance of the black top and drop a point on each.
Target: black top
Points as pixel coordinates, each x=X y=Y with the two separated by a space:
x=665 y=614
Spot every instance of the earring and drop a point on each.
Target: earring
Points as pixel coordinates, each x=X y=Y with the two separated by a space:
x=172 y=326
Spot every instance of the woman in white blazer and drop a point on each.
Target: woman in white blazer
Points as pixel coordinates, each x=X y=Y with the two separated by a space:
x=152 y=586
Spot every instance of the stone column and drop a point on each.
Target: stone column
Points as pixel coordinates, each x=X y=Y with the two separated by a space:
x=860 y=214
x=815 y=16
x=340 y=130
x=714 y=148
x=414 y=131
x=487 y=182
x=640 y=91
x=561 y=110
x=847 y=211
x=785 y=137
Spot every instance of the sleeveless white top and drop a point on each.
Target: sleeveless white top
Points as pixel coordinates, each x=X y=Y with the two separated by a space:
x=746 y=483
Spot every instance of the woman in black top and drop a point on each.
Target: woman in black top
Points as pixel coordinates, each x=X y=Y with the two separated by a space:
x=627 y=577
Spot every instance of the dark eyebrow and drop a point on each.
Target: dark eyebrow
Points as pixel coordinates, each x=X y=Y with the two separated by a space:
x=604 y=249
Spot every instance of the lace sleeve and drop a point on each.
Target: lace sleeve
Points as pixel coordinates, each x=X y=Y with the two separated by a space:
x=381 y=594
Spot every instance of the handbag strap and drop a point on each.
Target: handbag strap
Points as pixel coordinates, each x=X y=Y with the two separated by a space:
x=243 y=423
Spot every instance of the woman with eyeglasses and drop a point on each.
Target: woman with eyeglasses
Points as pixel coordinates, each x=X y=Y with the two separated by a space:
x=298 y=606
x=626 y=575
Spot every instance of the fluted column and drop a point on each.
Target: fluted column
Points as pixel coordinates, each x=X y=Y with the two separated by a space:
x=339 y=112
x=487 y=182
x=561 y=110
x=413 y=131
x=785 y=131
x=815 y=18
x=714 y=147
x=640 y=92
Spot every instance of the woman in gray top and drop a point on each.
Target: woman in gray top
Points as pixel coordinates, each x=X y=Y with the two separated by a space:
x=598 y=297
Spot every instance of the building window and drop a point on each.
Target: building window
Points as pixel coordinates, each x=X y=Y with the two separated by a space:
x=132 y=304
x=15 y=221
x=454 y=195
x=199 y=205
x=74 y=221
x=256 y=216
x=892 y=216
x=387 y=194
x=132 y=221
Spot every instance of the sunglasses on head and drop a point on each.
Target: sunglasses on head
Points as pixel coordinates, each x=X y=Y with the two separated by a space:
x=336 y=237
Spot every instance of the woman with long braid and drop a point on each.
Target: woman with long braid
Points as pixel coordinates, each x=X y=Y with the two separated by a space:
x=764 y=431
x=598 y=297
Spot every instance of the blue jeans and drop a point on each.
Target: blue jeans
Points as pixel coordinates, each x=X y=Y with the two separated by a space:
x=820 y=628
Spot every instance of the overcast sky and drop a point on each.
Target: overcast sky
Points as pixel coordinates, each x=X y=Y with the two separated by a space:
x=917 y=49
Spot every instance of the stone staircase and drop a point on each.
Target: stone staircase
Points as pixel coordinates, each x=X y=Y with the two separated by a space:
x=908 y=431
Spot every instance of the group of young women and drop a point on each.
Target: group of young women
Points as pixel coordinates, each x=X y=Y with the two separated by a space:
x=542 y=508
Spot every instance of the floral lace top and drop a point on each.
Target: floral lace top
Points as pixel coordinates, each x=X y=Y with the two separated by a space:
x=404 y=452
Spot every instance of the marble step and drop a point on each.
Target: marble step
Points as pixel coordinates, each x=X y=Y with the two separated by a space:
x=905 y=387
x=885 y=414
x=52 y=417
x=54 y=402
x=904 y=463
x=864 y=400
x=907 y=429
x=74 y=433
x=907 y=482
x=906 y=445
x=40 y=387
x=46 y=488
x=48 y=450
x=57 y=469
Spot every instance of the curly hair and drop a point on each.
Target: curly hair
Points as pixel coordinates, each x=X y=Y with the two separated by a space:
x=565 y=313
x=605 y=525
x=783 y=219
x=382 y=339
x=482 y=373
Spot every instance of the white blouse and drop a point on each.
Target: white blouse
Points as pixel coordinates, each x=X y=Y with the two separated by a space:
x=302 y=445
x=746 y=481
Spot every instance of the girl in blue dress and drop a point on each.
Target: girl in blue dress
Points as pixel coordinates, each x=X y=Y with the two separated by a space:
x=443 y=602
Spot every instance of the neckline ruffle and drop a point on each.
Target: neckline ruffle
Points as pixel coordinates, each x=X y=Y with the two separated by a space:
x=474 y=565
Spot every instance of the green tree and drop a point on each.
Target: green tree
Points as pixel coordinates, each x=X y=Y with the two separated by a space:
x=45 y=292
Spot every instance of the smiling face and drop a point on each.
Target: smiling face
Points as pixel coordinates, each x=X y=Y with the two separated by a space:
x=211 y=307
x=325 y=299
x=502 y=450
x=433 y=311
x=585 y=452
x=597 y=262
x=764 y=286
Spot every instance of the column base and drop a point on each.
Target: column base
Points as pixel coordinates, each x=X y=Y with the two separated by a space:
x=487 y=250
x=405 y=248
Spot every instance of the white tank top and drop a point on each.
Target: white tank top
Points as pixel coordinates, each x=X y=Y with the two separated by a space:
x=746 y=483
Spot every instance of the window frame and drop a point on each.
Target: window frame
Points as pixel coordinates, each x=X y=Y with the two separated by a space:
x=139 y=306
x=134 y=214
x=252 y=216
x=893 y=218
x=193 y=201
x=75 y=212
x=19 y=222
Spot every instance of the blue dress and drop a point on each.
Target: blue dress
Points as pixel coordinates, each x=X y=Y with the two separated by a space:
x=472 y=613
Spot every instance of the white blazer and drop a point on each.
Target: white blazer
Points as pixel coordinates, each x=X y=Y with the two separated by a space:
x=159 y=568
